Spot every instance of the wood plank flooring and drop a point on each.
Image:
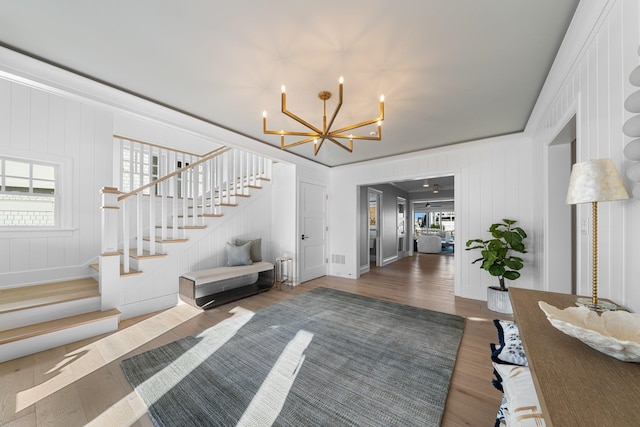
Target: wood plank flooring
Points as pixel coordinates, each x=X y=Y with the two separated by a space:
x=82 y=383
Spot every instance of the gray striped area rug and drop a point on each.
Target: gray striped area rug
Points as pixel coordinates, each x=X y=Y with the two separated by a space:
x=322 y=358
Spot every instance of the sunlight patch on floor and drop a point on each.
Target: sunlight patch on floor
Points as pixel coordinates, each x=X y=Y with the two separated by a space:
x=269 y=400
x=163 y=381
x=102 y=352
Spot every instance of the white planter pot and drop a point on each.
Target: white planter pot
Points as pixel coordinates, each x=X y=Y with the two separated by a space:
x=498 y=300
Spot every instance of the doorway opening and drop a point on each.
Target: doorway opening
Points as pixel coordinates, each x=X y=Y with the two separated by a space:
x=375 y=227
x=561 y=218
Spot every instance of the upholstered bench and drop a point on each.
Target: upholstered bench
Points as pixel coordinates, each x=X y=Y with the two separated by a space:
x=216 y=286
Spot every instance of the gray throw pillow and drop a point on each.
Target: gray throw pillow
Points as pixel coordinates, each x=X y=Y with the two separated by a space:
x=238 y=255
x=256 y=248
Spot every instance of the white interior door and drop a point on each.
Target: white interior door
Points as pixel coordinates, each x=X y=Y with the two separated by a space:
x=313 y=231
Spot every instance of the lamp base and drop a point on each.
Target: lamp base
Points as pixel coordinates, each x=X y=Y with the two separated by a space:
x=600 y=306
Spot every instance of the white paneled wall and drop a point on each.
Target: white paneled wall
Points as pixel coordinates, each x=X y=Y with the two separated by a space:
x=251 y=220
x=38 y=125
x=493 y=180
x=594 y=89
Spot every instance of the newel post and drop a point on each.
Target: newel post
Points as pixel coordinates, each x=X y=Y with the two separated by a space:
x=109 y=224
x=109 y=259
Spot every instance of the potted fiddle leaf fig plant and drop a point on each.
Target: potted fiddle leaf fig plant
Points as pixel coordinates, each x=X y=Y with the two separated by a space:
x=497 y=258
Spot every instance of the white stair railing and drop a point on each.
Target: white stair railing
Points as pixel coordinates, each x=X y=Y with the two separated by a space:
x=162 y=209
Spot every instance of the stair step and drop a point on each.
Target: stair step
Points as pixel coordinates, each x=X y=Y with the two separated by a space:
x=199 y=206
x=160 y=240
x=47 y=293
x=24 y=332
x=232 y=205
x=131 y=272
x=205 y=215
x=186 y=227
x=133 y=253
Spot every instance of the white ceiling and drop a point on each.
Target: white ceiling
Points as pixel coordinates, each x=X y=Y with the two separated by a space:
x=450 y=70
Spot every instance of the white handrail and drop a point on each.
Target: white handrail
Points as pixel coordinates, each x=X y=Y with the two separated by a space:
x=191 y=192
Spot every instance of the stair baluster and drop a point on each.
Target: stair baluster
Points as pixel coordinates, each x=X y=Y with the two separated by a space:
x=198 y=189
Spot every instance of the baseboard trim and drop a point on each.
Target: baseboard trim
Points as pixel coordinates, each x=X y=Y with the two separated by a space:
x=389 y=260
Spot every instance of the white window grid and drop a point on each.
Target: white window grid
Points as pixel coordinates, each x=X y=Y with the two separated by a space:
x=27 y=198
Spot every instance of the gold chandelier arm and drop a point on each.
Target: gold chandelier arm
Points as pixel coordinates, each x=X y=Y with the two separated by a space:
x=288 y=133
x=302 y=122
x=378 y=137
x=341 y=145
x=316 y=147
x=282 y=132
x=293 y=144
x=296 y=118
x=380 y=118
x=355 y=126
x=335 y=112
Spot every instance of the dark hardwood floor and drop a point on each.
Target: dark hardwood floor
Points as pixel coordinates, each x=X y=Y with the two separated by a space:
x=82 y=383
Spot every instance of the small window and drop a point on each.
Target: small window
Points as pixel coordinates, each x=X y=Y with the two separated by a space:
x=28 y=195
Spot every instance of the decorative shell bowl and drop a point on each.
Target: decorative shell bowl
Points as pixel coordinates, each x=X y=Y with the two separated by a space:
x=614 y=333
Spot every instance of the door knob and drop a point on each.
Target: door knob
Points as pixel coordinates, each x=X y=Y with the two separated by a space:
x=304 y=237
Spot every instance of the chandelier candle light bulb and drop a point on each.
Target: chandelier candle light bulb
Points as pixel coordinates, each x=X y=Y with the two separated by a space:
x=325 y=133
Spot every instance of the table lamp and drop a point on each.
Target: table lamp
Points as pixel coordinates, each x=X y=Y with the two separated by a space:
x=595 y=181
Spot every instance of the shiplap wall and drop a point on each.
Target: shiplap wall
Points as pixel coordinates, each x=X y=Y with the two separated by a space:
x=493 y=180
x=40 y=125
x=594 y=90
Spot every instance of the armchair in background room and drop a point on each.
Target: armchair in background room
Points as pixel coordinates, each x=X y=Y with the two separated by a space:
x=429 y=244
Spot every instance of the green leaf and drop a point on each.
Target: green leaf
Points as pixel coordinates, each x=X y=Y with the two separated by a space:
x=511 y=275
x=519 y=247
x=497 y=270
x=509 y=221
x=502 y=252
x=520 y=231
x=495 y=245
x=513 y=264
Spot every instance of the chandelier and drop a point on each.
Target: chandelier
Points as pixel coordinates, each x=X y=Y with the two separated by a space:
x=317 y=135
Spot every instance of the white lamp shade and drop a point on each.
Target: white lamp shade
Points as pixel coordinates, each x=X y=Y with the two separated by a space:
x=595 y=180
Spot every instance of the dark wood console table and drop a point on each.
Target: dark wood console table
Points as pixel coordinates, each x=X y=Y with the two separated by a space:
x=576 y=385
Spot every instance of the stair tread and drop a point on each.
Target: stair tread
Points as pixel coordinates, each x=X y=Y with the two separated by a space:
x=133 y=253
x=131 y=272
x=159 y=240
x=55 y=325
x=47 y=293
x=185 y=227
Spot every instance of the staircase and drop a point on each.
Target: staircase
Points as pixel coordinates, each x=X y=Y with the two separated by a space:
x=52 y=314
x=144 y=233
